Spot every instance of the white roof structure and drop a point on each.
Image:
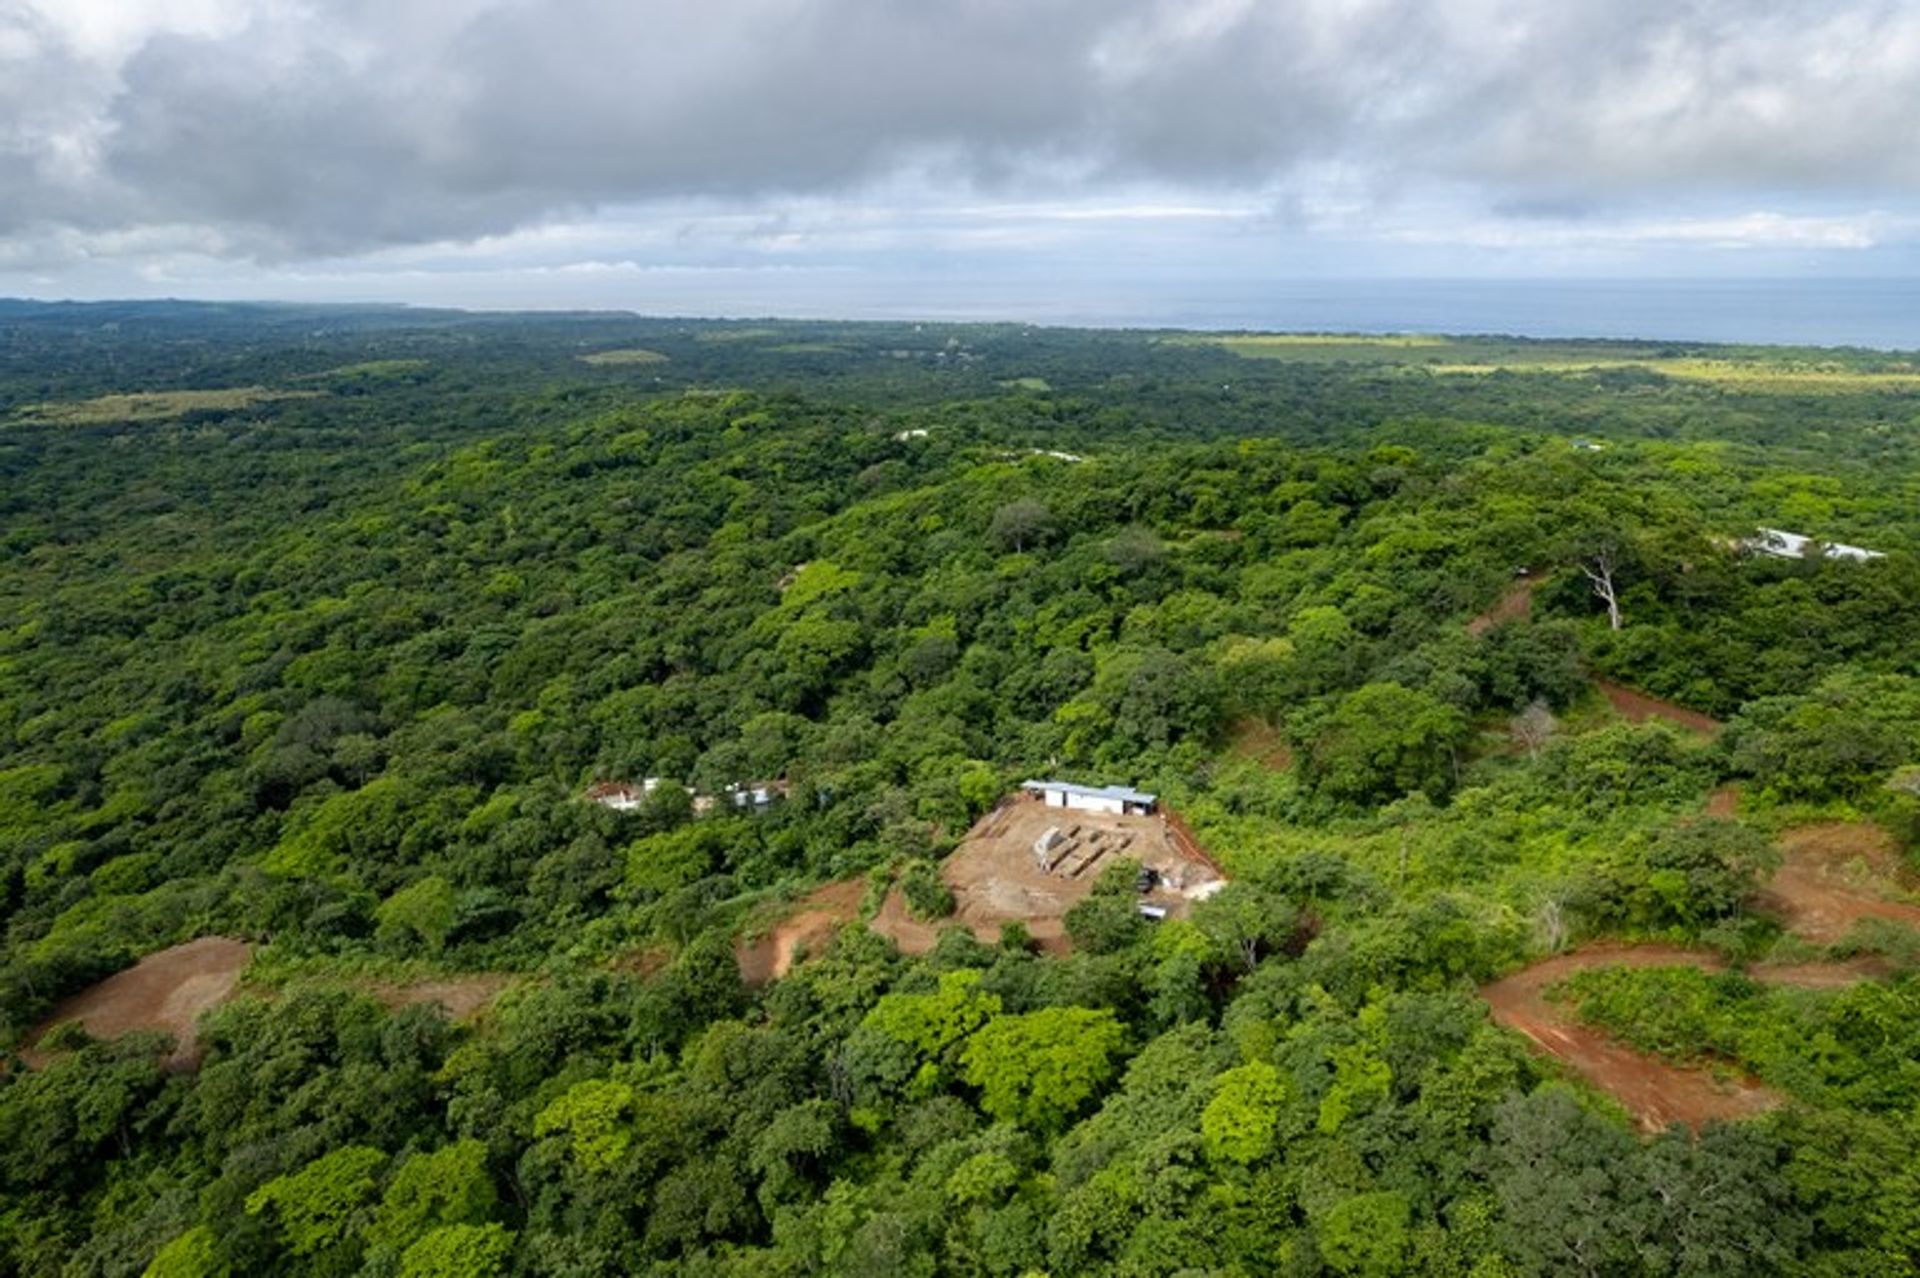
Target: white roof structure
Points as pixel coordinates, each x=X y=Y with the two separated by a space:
x=1786 y=545
x=1124 y=793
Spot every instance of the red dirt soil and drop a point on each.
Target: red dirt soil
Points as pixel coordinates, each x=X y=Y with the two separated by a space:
x=770 y=955
x=165 y=991
x=169 y=990
x=994 y=880
x=1654 y=1092
x=1835 y=875
x=1515 y=605
x=1723 y=802
x=1637 y=707
x=1831 y=876
x=909 y=934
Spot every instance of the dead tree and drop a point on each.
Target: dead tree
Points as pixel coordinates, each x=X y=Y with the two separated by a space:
x=1599 y=573
x=1533 y=727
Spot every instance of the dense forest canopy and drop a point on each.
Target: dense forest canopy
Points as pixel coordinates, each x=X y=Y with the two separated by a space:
x=316 y=625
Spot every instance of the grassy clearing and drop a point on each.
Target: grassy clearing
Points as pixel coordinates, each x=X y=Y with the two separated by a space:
x=151 y=406
x=1782 y=378
x=808 y=348
x=373 y=369
x=623 y=358
x=722 y=335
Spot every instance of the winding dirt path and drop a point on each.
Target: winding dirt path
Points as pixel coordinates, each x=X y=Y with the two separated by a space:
x=1654 y=1091
x=1836 y=874
x=1831 y=877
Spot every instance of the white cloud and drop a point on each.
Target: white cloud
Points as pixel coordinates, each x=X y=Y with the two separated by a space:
x=689 y=133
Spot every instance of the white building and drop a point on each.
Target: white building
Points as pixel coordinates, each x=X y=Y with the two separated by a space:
x=622 y=796
x=1118 y=800
x=1786 y=545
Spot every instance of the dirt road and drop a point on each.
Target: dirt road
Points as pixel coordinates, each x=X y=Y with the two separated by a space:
x=1831 y=877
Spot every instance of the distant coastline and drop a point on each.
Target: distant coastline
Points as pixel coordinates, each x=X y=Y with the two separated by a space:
x=1880 y=314
x=1877 y=314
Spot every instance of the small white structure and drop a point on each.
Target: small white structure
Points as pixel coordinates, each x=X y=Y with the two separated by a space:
x=756 y=796
x=1153 y=913
x=622 y=796
x=1785 y=545
x=1117 y=800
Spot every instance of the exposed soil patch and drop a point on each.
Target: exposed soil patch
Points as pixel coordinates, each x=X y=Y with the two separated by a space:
x=461 y=997
x=1515 y=605
x=997 y=878
x=1722 y=802
x=1260 y=741
x=165 y=991
x=813 y=922
x=909 y=934
x=1637 y=707
x=1835 y=875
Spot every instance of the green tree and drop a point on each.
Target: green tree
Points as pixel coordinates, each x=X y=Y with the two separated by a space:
x=595 y=1118
x=459 y=1251
x=423 y=912
x=1381 y=742
x=1037 y=1069
x=1241 y=1123
x=450 y=1186
x=325 y=1202
x=193 y=1254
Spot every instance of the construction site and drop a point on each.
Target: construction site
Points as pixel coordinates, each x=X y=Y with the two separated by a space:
x=1031 y=861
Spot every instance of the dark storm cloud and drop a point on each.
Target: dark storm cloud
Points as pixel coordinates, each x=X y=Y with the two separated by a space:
x=343 y=126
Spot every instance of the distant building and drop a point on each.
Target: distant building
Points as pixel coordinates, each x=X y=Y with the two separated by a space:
x=1119 y=800
x=622 y=796
x=1786 y=545
x=756 y=796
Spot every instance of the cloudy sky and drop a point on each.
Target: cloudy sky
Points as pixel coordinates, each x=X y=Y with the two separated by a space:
x=1036 y=157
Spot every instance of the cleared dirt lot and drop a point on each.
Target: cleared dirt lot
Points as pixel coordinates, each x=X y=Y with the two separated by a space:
x=165 y=991
x=168 y=990
x=996 y=879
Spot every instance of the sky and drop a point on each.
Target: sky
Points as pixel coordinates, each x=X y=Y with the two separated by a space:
x=1062 y=159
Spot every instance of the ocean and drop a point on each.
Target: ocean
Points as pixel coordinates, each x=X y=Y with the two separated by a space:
x=1879 y=314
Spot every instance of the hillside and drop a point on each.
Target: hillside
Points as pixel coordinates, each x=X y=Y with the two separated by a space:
x=317 y=628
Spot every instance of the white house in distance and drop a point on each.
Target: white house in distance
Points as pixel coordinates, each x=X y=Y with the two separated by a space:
x=1118 y=800
x=1786 y=545
x=622 y=796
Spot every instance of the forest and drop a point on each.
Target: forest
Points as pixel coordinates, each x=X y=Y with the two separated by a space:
x=1459 y=656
